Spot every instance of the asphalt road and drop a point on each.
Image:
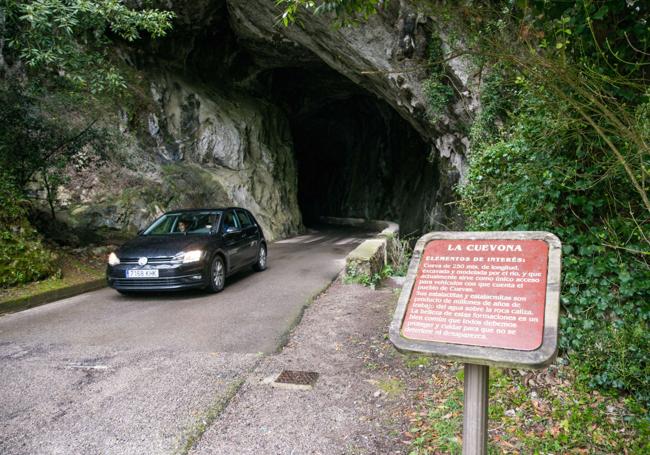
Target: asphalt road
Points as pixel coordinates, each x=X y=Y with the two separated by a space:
x=105 y=373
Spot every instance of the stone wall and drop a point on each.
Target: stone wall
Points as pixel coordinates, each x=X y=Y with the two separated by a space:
x=190 y=146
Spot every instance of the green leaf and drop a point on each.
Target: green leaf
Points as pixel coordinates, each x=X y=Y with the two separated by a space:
x=601 y=13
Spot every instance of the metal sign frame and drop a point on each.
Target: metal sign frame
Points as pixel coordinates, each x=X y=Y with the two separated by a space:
x=490 y=356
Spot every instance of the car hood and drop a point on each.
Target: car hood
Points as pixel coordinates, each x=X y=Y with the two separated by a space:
x=161 y=245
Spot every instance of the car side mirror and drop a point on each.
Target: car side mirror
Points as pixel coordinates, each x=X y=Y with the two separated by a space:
x=231 y=230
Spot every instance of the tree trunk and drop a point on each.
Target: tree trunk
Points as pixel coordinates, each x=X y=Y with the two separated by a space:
x=49 y=195
x=3 y=64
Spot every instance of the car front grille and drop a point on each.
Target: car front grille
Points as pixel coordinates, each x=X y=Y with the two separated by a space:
x=154 y=260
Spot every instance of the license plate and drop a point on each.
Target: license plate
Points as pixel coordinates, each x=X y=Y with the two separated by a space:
x=142 y=273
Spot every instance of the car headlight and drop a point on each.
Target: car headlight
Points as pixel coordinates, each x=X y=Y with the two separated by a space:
x=113 y=259
x=192 y=256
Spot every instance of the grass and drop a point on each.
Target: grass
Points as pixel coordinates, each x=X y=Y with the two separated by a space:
x=538 y=413
x=392 y=387
x=371 y=366
x=75 y=269
x=417 y=361
x=193 y=435
x=437 y=426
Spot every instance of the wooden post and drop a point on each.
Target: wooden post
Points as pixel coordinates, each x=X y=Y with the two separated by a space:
x=475 y=412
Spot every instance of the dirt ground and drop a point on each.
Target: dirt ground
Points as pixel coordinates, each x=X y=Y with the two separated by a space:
x=370 y=399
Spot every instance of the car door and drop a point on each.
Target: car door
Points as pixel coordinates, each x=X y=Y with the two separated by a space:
x=249 y=230
x=233 y=240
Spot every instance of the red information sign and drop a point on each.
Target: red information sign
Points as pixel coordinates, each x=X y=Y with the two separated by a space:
x=482 y=292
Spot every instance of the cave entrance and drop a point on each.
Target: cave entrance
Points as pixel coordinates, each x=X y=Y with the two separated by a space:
x=355 y=156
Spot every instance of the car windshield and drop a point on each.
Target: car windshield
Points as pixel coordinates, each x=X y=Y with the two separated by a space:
x=184 y=223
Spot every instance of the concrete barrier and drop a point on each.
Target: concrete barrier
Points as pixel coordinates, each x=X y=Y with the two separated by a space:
x=30 y=301
x=371 y=256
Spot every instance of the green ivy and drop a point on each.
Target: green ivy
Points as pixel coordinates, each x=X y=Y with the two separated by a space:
x=439 y=93
x=535 y=173
x=354 y=274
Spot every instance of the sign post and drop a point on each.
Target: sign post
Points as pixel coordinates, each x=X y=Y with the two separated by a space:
x=484 y=299
x=475 y=412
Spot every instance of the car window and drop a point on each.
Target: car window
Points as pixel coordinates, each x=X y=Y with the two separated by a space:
x=213 y=221
x=203 y=223
x=199 y=222
x=183 y=224
x=230 y=220
x=244 y=219
x=163 y=225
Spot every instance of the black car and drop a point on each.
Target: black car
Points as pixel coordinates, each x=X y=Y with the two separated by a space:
x=189 y=249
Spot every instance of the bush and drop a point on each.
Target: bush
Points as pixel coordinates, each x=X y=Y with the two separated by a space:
x=439 y=94
x=616 y=356
x=23 y=258
x=538 y=174
x=399 y=252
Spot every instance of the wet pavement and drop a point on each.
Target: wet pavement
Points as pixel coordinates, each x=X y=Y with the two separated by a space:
x=105 y=373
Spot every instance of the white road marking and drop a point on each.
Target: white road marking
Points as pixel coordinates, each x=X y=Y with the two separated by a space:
x=298 y=239
x=89 y=367
x=314 y=240
x=311 y=239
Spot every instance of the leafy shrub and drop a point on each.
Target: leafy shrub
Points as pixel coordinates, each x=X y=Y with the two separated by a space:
x=538 y=174
x=616 y=356
x=357 y=273
x=399 y=252
x=498 y=98
x=439 y=94
x=23 y=258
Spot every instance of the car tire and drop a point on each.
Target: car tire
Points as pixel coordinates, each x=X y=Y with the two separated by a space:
x=217 y=276
x=262 y=259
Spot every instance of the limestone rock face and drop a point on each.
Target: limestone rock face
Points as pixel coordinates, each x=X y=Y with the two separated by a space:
x=387 y=56
x=233 y=108
x=193 y=147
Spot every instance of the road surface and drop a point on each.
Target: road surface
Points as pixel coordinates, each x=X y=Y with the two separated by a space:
x=106 y=373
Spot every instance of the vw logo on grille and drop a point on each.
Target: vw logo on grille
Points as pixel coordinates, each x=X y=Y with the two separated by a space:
x=142 y=261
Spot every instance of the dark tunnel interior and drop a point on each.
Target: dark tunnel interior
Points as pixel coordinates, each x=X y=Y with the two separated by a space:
x=356 y=157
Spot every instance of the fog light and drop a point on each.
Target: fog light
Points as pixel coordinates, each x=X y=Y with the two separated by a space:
x=196 y=277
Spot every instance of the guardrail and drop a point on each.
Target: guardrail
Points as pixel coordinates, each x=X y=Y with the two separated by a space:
x=371 y=256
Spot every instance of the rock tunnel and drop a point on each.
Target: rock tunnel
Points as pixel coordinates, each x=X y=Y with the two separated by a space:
x=354 y=154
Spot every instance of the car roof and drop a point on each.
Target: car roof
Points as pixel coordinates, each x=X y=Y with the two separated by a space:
x=204 y=209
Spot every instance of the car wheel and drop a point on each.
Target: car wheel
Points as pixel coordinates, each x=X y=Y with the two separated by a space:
x=262 y=259
x=217 y=275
